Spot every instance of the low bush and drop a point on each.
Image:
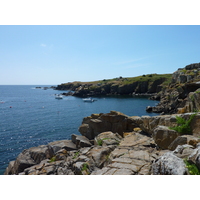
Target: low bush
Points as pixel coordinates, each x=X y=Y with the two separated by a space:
x=192 y=168
x=183 y=125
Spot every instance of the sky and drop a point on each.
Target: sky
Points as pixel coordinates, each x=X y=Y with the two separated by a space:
x=55 y=54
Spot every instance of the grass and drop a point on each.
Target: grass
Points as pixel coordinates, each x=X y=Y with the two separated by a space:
x=76 y=155
x=84 y=167
x=183 y=125
x=100 y=141
x=123 y=80
x=192 y=168
x=53 y=159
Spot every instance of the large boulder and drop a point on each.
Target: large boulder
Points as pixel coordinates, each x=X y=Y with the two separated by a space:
x=169 y=164
x=9 y=169
x=62 y=144
x=41 y=152
x=107 y=138
x=100 y=154
x=195 y=156
x=115 y=122
x=80 y=141
x=184 y=139
x=30 y=157
x=22 y=162
x=163 y=136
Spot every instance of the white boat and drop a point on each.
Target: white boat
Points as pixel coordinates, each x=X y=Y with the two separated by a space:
x=88 y=99
x=58 y=96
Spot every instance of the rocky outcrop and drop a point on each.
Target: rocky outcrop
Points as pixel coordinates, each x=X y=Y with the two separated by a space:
x=184 y=139
x=169 y=164
x=176 y=162
x=114 y=144
x=146 y=84
x=117 y=122
x=181 y=95
x=114 y=121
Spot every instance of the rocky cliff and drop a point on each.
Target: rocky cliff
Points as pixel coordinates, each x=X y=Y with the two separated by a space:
x=117 y=144
x=152 y=83
x=182 y=94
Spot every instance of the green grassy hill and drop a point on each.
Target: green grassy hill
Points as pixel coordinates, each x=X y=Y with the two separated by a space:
x=150 y=83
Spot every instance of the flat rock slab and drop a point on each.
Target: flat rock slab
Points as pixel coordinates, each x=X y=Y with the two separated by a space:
x=80 y=141
x=133 y=156
x=63 y=144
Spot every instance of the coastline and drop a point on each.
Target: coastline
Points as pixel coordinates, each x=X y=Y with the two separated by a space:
x=114 y=144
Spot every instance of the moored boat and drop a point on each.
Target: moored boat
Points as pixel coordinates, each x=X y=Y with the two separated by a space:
x=88 y=99
x=58 y=96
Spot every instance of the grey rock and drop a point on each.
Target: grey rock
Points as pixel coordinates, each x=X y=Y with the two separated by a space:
x=163 y=136
x=80 y=141
x=99 y=154
x=62 y=144
x=41 y=152
x=180 y=140
x=108 y=138
x=23 y=161
x=169 y=164
x=9 y=169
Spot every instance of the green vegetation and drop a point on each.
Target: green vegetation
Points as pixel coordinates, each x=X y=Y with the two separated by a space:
x=184 y=71
x=84 y=167
x=100 y=141
x=119 y=81
x=183 y=125
x=76 y=155
x=149 y=78
x=192 y=168
x=192 y=97
x=53 y=159
x=197 y=91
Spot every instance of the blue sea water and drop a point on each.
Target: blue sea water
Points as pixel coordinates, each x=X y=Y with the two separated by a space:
x=31 y=117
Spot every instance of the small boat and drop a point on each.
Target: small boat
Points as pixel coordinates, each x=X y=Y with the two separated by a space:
x=58 y=96
x=88 y=99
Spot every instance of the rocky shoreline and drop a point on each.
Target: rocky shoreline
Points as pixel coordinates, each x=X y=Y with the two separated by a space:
x=116 y=144
x=142 y=85
x=182 y=94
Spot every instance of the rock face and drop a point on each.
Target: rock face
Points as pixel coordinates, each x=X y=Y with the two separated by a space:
x=115 y=122
x=114 y=144
x=150 y=84
x=163 y=136
x=182 y=94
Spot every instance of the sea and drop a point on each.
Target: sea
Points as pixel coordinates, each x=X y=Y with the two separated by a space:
x=31 y=116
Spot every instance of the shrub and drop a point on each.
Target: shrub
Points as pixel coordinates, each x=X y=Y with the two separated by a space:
x=183 y=125
x=192 y=168
x=84 y=167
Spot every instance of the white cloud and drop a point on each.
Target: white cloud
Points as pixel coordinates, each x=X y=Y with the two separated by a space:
x=43 y=45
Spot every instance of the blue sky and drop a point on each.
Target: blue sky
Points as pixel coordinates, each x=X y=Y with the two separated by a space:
x=58 y=54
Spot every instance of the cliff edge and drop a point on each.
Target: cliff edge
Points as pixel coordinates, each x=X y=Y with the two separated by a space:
x=182 y=94
x=146 y=84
